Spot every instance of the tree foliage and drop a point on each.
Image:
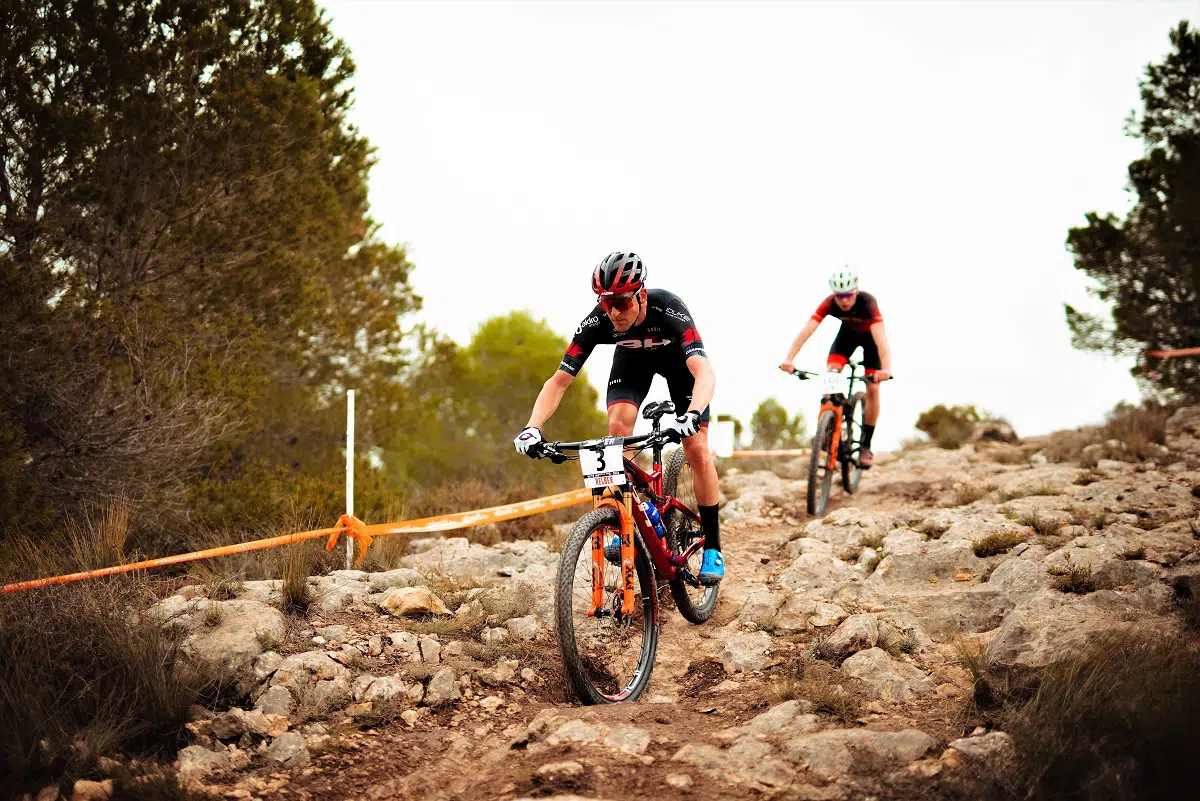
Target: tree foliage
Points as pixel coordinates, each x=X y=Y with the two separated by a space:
x=187 y=266
x=775 y=429
x=1147 y=266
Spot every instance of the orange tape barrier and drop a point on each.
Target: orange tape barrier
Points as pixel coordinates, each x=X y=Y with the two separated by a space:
x=481 y=517
x=194 y=556
x=1166 y=354
x=351 y=526
x=792 y=452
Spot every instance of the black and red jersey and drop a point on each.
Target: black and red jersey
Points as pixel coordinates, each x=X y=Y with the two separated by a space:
x=667 y=330
x=861 y=316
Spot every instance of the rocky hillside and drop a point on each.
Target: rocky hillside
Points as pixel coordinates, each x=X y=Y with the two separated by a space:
x=843 y=659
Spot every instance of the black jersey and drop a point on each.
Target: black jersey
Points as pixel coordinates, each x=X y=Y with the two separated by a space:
x=667 y=331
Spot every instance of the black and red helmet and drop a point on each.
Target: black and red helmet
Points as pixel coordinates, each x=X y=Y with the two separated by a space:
x=617 y=274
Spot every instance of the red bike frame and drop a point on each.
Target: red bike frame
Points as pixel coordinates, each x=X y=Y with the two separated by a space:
x=666 y=564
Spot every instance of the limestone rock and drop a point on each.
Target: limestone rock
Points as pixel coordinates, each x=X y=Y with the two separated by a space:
x=856 y=633
x=745 y=651
x=402 y=601
x=289 y=750
x=895 y=681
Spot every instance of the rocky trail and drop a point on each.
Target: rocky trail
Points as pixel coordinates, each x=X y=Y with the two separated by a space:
x=833 y=667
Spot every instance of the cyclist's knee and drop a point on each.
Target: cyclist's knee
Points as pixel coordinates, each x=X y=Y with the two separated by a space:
x=621 y=419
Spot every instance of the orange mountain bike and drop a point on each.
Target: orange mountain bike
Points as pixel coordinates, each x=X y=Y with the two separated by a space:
x=643 y=530
x=838 y=438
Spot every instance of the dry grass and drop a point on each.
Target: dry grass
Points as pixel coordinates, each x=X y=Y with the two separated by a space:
x=851 y=554
x=1085 y=477
x=969 y=493
x=295 y=594
x=1130 y=433
x=1133 y=553
x=998 y=542
x=1095 y=519
x=1046 y=525
x=805 y=677
x=81 y=675
x=1028 y=491
x=1118 y=720
x=1073 y=578
x=897 y=643
x=932 y=528
x=220 y=583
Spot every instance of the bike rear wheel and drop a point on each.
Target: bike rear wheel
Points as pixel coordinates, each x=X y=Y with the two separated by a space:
x=696 y=604
x=820 y=477
x=606 y=658
x=852 y=442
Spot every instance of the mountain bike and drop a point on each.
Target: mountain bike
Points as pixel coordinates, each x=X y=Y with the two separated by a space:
x=838 y=438
x=606 y=609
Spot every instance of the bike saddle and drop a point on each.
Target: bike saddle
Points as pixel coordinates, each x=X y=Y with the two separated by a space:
x=656 y=410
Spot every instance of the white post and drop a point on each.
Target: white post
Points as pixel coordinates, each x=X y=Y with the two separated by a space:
x=349 y=472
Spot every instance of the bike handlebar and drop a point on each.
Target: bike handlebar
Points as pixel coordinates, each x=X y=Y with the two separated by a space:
x=554 y=450
x=804 y=375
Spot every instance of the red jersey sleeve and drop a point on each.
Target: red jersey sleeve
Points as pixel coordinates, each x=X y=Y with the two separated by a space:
x=823 y=310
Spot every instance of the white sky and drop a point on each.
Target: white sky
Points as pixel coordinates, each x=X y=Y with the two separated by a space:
x=744 y=151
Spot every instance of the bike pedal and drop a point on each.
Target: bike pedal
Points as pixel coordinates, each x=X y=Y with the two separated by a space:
x=685 y=575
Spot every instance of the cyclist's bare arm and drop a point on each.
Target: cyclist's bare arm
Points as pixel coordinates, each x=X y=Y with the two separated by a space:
x=549 y=398
x=807 y=331
x=706 y=382
x=881 y=343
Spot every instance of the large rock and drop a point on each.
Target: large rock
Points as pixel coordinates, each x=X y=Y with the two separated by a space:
x=340 y=589
x=400 y=577
x=749 y=762
x=1019 y=579
x=443 y=688
x=1055 y=625
x=1183 y=431
x=990 y=746
x=903 y=540
x=402 y=601
x=944 y=610
x=830 y=754
x=232 y=646
x=846 y=528
x=195 y=762
x=811 y=570
x=276 y=701
x=938 y=561
x=745 y=651
x=894 y=681
x=289 y=750
x=626 y=739
x=300 y=673
x=856 y=633
x=761 y=606
x=790 y=717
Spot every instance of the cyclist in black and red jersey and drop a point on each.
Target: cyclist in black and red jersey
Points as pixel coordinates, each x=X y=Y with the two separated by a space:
x=862 y=325
x=654 y=334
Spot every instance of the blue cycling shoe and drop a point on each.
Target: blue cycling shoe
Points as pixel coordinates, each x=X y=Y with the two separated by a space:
x=712 y=569
x=612 y=551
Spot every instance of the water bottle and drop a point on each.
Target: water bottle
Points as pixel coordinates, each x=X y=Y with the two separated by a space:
x=652 y=516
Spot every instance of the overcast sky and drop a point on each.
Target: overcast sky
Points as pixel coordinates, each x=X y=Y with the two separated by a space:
x=745 y=151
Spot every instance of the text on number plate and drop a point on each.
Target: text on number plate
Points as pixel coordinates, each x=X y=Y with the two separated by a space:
x=604 y=468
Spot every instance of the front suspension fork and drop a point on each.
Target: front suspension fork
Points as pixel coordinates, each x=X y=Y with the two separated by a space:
x=623 y=507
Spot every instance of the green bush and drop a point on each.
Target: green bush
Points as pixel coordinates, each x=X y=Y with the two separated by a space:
x=948 y=426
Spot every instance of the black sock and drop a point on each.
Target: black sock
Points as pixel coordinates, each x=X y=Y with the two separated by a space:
x=711 y=527
x=868 y=432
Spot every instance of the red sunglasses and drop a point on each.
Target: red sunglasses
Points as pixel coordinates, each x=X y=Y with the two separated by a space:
x=623 y=303
x=845 y=295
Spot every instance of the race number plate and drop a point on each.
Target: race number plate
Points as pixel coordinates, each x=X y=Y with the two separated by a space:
x=603 y=468
x=832 y=383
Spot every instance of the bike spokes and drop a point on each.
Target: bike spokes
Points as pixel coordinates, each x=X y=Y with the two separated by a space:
x=607 y=636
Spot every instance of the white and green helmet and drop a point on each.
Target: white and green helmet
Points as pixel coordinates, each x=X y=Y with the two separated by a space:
x=843 y=280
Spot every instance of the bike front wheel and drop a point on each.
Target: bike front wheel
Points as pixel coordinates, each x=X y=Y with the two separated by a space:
x=820 y=477
x=852 y=441
x=607 y=657
x=696 y=604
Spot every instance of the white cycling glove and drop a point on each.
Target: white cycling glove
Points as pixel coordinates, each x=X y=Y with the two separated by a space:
x=685 y=424
x=527 y=442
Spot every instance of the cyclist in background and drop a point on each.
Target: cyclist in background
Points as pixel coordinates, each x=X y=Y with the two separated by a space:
x=654 y=333
x=862 y=326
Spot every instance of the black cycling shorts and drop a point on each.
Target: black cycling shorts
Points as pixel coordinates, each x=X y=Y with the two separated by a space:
x=632 y=371
x=844 y=345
